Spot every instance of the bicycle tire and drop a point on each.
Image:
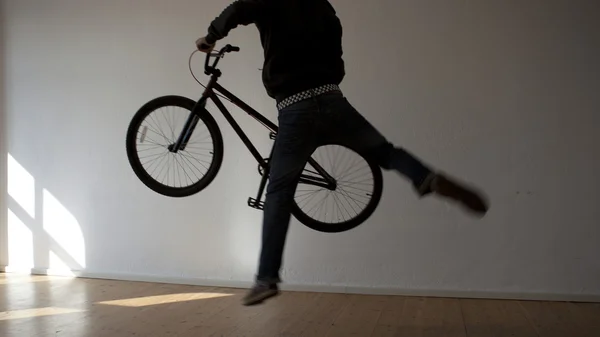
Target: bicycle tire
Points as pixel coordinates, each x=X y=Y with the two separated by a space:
x=358 y=219
x=137 y=165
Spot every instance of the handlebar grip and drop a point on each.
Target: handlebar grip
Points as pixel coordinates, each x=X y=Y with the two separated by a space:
x=236 y=49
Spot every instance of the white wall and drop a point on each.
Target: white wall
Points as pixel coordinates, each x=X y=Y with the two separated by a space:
x=501 y=93
x=3 y=176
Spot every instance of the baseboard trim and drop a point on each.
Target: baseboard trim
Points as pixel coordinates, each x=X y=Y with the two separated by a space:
x=338 y=289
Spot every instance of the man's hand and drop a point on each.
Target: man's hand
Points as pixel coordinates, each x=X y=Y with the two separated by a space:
x=204 y=46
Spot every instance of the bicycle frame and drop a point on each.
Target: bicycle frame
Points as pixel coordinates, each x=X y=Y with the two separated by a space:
x=325 y=180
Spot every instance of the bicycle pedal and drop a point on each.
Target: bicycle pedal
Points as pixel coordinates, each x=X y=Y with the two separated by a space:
x=256 y=204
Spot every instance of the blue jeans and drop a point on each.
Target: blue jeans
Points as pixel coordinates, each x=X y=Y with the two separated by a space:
x=303 y=127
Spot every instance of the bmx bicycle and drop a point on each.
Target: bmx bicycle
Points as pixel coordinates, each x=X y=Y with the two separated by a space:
x=175 y=147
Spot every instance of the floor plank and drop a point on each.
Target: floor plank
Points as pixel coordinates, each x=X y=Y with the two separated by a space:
x=425 y=317
x=318 y=321
x=290 y=309
x=390 y=318
x=556 y=319
x=485 y=318
x=588 y=316
x=359 y=317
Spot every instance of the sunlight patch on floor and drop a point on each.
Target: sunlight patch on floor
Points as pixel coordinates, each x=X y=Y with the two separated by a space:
x=25 y=278
x=36 y=312
x=163 y=299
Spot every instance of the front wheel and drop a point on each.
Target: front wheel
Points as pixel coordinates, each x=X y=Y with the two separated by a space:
x=358 y=190
x=151 y=136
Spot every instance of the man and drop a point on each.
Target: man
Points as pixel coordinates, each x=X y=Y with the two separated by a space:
x=302 y=42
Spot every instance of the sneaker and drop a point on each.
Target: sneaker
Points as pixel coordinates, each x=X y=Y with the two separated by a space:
x=453 y=190
x=260 y=292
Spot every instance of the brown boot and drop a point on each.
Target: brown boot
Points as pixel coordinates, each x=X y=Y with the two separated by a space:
x=472 y=200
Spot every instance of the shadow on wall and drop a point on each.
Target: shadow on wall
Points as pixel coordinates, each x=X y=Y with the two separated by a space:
x=43 y=236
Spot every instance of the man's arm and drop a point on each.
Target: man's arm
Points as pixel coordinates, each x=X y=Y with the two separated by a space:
x=241 y=12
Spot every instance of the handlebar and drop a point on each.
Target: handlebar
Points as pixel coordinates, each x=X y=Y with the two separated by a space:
x=209 y=70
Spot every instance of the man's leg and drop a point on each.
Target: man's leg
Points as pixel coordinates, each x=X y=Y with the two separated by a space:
x=425 y=181
x=353 y=129
x=293 y=146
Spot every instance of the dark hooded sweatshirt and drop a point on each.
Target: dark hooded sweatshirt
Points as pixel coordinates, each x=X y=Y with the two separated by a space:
x=302 y=41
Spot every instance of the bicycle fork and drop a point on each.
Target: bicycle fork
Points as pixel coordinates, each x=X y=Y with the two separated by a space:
x=188 y=129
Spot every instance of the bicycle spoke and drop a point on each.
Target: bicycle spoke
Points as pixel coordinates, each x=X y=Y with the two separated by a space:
x=207 y=142
x=199 y=154
x=155 y=163
x=311 y=192
x=306 y=202
x=161 y=171
x=335 y=160
x=195 y=139
x=354 y=188
x=357 y=186
x=169 y=124
x=168 y=172
x=346 y=195
x=337 y=209
x=185 y=161
x=189 y=161
x=151 y=155
x=360 y=182
x=358 y=195
x=196 y=159
x=350 y=167
x=184 y=171
x=346 y=161
x=335 y=195
x=152 y=148
x=352 y=171
x=175 y=119
x=328 y=212
x=156 y=159
x=358 y=174
x=330 y=159
x=321 y=203
x=309 y=197
x=166 y=155
x=149 y=139
x=172 y=122
x=160 y=133
x=175 y=172
x=309 y=211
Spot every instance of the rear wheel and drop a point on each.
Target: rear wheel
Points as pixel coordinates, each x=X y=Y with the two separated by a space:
x=151 y=134
x=357 y=194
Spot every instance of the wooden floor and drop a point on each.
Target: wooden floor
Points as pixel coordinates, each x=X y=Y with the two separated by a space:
x=43 y=306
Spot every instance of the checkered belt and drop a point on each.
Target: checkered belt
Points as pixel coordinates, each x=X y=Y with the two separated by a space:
x=310 y=93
